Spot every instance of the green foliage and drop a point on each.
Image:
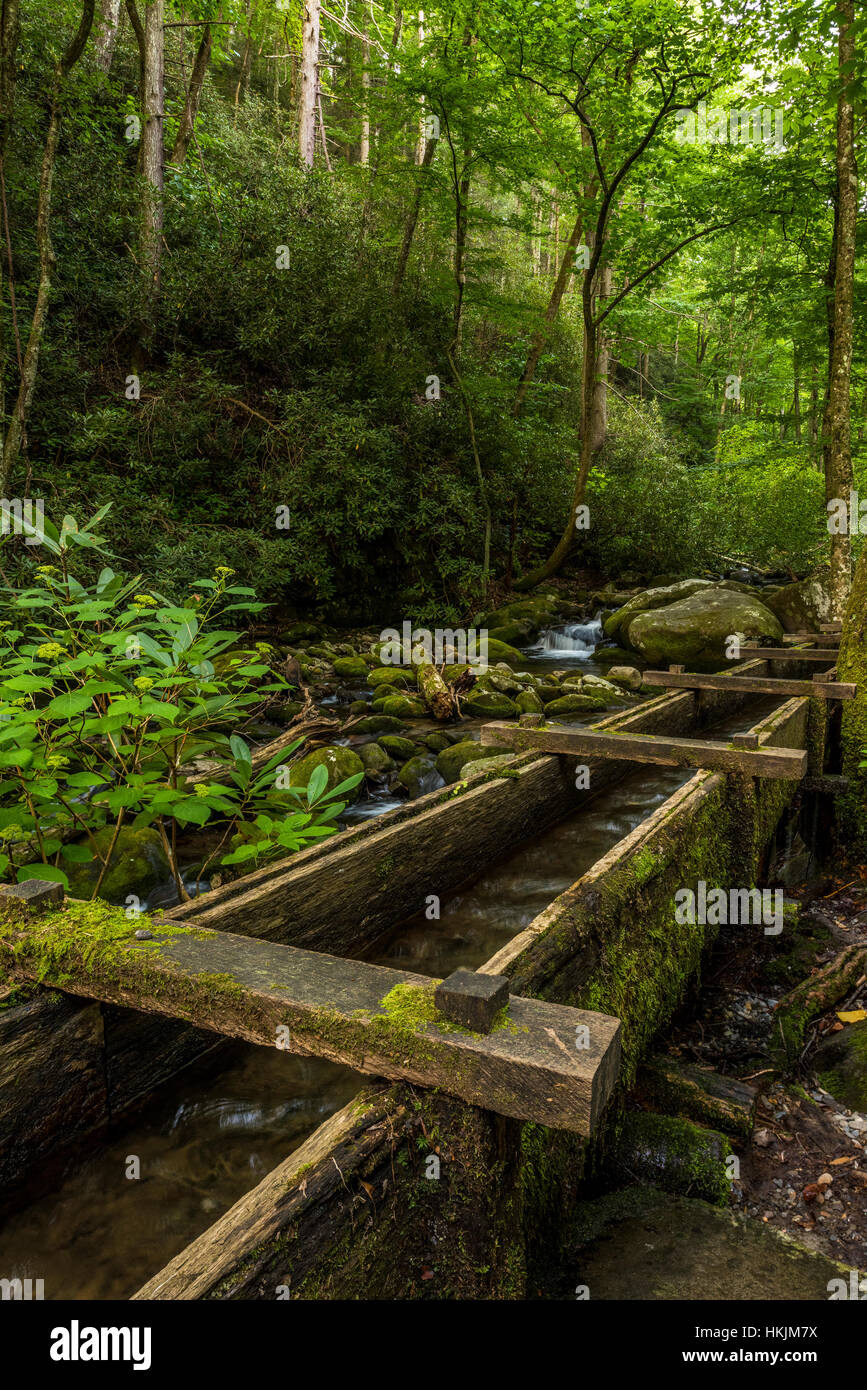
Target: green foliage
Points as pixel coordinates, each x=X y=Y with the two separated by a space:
x=109 y=692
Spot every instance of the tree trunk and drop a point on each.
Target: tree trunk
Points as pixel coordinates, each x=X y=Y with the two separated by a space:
x=106 y=33
x=194 y=96
x=138 y=30
x=412 y=220
x=30 y=365
x=309 y=82
x=539 y=337
x=461 y=218
x=153 y=113
x=837 y=422
x=364 y=152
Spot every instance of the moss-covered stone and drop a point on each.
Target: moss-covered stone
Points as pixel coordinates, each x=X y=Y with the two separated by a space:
x=451 y=760
x=351 y=668
x=339 y=763
x=375 y=759
x=575 y=704
x=379 y=724
x=419 y=775
x=398 y=748
x=490 y=704
x=403 y=707
x=138 y=863
x=390 y=675
x=528 y=702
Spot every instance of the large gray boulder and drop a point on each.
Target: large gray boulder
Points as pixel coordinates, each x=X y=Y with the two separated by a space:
x=697 y=629
x=649 y=599
x=801 y=607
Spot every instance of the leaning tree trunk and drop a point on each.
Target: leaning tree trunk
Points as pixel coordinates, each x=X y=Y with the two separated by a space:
x=593 y=424
x=309 y=82
x=837 y=421
x=540 y=335
x=30 y=364
x=194 y=96
x=412 y=220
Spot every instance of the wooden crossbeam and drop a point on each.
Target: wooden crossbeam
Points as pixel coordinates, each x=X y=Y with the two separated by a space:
x=785 y=763
x=543 y=1062
x=813 y=655
x=822 y=689
x=824 y=639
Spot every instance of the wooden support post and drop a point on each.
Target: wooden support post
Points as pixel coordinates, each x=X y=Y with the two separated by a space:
x=823 y=639
x=785 y=763
x=543 y=1062
x=755 y=685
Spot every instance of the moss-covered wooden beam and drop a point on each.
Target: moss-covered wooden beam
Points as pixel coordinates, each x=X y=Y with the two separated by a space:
x=544 y=1062
x=790 y=764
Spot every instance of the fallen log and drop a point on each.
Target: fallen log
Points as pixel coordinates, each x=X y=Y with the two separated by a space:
x=437 y=695
x=812 y=997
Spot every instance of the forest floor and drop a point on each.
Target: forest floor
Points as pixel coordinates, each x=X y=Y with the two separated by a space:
x=804 y=1170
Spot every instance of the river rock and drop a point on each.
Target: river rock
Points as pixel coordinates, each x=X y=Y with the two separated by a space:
x=398 y=748
x=696 y=628
x=376 y=761
x=420 y=775
x=627 y=676
x=452 y=760
x=138 y=863
x=339 y=763
x=350 y=668
x=491 y=704
x=575 y=704
x=390 y=675
x=379 y=724
x=402 y=707
x=528 y=702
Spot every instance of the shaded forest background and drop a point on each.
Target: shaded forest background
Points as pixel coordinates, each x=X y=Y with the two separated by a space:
x=286 y=274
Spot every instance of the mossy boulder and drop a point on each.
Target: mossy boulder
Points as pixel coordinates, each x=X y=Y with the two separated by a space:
x=301 y=632
x=492 y=704
x=451 y=760
x=402 y=707
x=390 y=675
x=629 y=677
x=663 y=596
x=398 y=748
x=575 y=704
x=548 y=691
x=138 y=863
x=339 y=763
x=436 y=742
x=379 y=724
x=419 y=775
x=501 y=651
x=841 y=1065
x=528 y=702
x=697 y=629
x=801 y=607
x=375 y=759
x=514 y=634
x=351 y=668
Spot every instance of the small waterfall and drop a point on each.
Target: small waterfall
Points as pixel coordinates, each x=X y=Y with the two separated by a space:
x=576 y=640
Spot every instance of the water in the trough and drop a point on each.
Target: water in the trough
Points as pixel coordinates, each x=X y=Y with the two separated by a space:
x=208 y=1137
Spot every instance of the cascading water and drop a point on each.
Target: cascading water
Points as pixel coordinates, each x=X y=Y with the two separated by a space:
x=575 y=640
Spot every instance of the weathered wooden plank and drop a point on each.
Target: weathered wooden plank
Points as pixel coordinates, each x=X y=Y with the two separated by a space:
x=811 y=654
x=756 y=685
x=787 y=763
x=543 y=1062
x=823 y=639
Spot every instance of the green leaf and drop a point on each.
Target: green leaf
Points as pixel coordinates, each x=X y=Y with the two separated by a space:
x=46 y=871
x=66 y=706
x=318 y=782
